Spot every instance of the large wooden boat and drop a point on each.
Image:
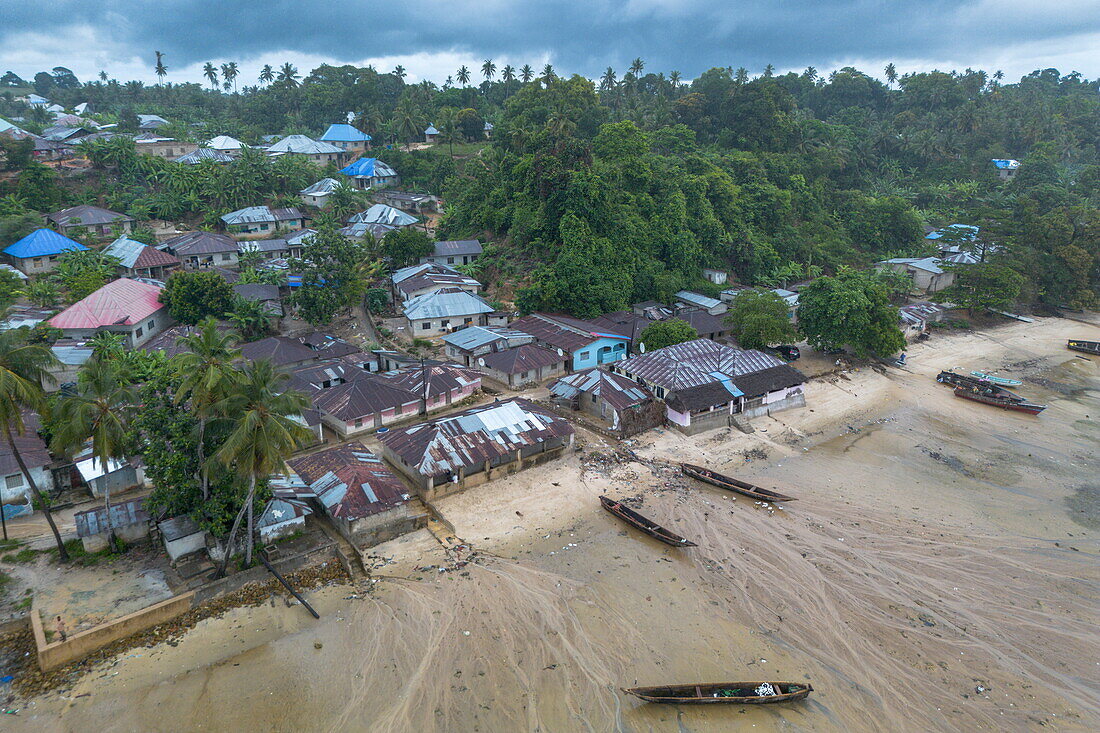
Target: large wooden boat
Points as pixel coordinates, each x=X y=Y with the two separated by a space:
x=1086 y=347
x=731 y=484
x=973 y=383
x=727 y=693
x=651 y=528
x=975 y=396
x=1003 y=381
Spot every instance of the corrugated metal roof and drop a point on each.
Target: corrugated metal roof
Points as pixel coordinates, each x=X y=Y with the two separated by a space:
x=618 y=391
x=430 y=130
x=474 y=436
x=200 y=154
x=200 y=243
x=1009 y=165
x=302 y=145
x=225 y=142
x=42 y=243
x=340 y=132
x=563 y=332
x=367 y=395
x=472 y=337
x=120 y=302
x=440 y=378
x=136 y=255
x=698 y=299
x=446 y=303
x=433 y=280
x=965 y=231
x=280 y=511
x=523 y=358
x=458 y=247
x=351 y=482
x=368 y=168
x=694 y=363
x=382 y=214
x=323 y=187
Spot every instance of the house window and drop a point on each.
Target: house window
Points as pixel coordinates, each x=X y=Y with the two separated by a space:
x=37 y=261
x=263 y=227
x=425 y=325
x=138 y=333
x=225 y=257
x=444 y=323
x=450 y=260
x=525 y=375
x=583 y=355
x=14 y=481
x=151 y=324
x=358 y=422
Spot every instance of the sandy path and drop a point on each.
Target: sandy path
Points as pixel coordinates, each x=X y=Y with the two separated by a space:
x=936 y=547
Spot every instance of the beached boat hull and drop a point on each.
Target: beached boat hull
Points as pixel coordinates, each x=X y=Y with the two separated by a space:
x=973 y=383
x=731 y=484
x=1086 y=347
x=997 y=380
x=651 y=528
x=722 y=693
x=973 y=396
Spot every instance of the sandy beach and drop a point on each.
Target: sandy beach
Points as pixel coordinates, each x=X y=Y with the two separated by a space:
x=938 y=572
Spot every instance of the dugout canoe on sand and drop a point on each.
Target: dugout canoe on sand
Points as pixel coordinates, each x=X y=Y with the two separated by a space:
x=648 y=526
x=728 y=693
x=731 y=484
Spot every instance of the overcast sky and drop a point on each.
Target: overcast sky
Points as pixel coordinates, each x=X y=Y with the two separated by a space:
x=432 y=38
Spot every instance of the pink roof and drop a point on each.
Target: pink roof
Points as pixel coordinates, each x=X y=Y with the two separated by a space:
x=121 y=302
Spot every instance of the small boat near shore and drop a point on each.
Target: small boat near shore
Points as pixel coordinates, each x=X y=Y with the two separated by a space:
x=648 y=526
x=1004 y=382
x=976 y=396
x=731 y=484
x=728 y=693
x=1085 y=347
x=973 y=383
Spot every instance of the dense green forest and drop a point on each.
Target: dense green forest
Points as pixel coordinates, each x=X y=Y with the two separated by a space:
x=600 y=193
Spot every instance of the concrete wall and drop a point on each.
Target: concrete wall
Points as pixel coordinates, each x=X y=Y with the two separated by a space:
x=42 y=476
x=603 y=351
x=381 y=527
x=80 y=645
x=282 y=529
x=794 y=398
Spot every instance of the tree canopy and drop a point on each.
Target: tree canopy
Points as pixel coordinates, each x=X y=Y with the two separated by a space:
x=852 y=309
x=760 y=318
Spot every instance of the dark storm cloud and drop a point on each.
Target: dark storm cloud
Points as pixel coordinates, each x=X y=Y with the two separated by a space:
x=580 y=35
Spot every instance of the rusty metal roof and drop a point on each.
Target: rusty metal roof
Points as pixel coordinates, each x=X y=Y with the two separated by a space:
x=351 y=482
x=474 y=436
x=367 y=395
x=123 y=514
x=440 y=378
x=521 y=358
x=616 y=390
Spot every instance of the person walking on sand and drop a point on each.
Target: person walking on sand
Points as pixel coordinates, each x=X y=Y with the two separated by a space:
x=61 y=629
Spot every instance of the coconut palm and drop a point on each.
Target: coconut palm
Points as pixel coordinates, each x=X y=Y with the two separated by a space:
x=769 y=70
x=674 y=79
x=448 y=127
x=267 y=74
x=891 y=73
x=548 y=72
x=264 y=434
x=810 y=74
x=508 y=73
x=288 y=74
x=24 y=367
x=160 y=69
x=636 y=67
x=208 y=367
x=463 y=75
x=230 y=72
x=99 y=410
x=607 y=81
x=103 y=76
x=488 y=69
x=399 y=71
x=251 y=318
x=526 y=73
x=742 y=75
x=211 y=73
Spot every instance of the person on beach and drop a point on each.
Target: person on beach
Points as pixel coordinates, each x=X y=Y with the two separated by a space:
x=61 y=629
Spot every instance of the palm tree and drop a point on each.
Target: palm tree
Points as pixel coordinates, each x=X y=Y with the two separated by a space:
x=891 y=73
x=211 y=74
x=288 y=74
x=768 y=71
x=636 y=67
x=810 y=74
x=160 y=69
x=548 y=72
x=229 y=73
x=463 y=75
x=406 y=122
x=23 y=369
x=447 y=126
x=264 y=434
x=399 y=71
x=508 y=73
x=208 y=366
x=674 y=79
x=103 y=76
x=488 y=69
x=99 y=411
x=526 y=73
x=607 y=81
x=742 y=75
x=267 y=74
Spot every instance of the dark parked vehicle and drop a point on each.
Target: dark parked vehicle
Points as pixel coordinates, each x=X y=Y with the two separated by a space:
x=790 y=353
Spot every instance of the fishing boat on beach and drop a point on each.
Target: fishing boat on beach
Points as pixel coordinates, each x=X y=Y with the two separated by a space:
x=973 y=383
x=977 y=396
x=637 y=521
x=729 y=693
x=1004 y=382
x=1085 y=347
x=731 y=484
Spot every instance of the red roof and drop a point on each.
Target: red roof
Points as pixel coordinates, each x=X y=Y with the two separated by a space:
x=123 y=302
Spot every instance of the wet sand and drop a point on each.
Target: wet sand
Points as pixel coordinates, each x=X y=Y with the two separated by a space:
x=938 y=547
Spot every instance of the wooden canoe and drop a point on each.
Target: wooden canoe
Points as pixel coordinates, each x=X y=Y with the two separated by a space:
x=1086 y=347
x=973 y=383
x=1003 y=381
x=728 y=693
x=975 y=396
x=636 y=520
x=731 y=484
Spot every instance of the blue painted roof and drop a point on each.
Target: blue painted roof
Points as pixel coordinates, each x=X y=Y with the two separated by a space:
x=367 y=168
x=345 y=134
x=1007 y=165
x=968 y=231
x=42 y=243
